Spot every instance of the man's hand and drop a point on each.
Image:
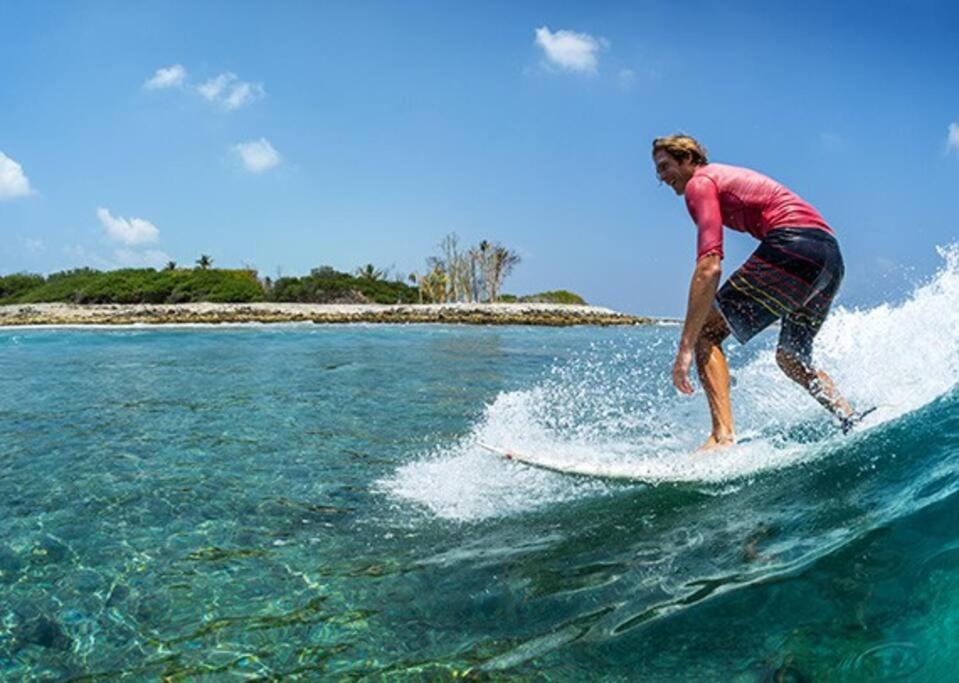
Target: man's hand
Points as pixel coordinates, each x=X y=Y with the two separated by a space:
x=684 y=359
x=702 y=291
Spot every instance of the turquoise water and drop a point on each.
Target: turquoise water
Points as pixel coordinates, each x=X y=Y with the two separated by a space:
x=293 y=500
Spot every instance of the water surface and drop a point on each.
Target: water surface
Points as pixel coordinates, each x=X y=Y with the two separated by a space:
x=298 y=500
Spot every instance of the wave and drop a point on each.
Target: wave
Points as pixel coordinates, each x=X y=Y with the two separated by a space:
x=611 y=556
x=612 y=406
x=618 y=561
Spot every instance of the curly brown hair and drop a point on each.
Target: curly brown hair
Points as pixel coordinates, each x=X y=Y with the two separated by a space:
x=681 y=147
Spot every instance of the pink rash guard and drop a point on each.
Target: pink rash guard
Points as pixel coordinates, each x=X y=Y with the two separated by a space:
x=743 y=200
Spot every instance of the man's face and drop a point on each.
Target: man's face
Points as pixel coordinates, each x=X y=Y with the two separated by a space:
x=674 y=173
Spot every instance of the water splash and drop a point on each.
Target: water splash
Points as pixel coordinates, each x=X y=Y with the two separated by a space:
x=613 y=407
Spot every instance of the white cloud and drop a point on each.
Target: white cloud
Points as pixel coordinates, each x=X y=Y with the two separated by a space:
x=626 y=78
x=242 y=94
x=127 y=230
x=34 y=246
x=225 y=90
x=120 y=258
x=170 y=77
x=212 y=88
x=952 y=142
x=570 y=50
x=146 y=258
x=257 y=155
x=13 y=182
x=230 y=92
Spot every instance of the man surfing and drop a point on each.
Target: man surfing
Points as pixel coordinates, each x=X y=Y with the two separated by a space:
x=793 y=276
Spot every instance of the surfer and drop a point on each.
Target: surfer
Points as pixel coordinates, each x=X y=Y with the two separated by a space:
x=792 y=276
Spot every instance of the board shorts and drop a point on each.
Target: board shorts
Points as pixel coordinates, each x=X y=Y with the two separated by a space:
x=792 y=276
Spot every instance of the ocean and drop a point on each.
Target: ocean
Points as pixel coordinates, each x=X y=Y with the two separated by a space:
x=311 y=502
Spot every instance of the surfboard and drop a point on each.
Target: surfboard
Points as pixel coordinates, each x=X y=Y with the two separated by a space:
x=613 y=470
x=850 y=424
x=643 y=472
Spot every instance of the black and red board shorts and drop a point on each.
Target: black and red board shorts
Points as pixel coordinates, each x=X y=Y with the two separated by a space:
x=793 y=276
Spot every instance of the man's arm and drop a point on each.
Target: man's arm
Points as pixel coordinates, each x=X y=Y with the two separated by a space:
x=702 y=201
x=702 y=291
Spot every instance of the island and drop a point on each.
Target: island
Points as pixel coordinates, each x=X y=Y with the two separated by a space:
x=458 y=287
x=556 y=315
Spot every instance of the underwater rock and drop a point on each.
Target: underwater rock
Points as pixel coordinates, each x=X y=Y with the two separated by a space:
x=43 y=631
x=51 y=551
x=10 y=565
x=118 y=594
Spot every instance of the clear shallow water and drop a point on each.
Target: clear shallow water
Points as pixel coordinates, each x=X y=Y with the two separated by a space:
x=214 y=502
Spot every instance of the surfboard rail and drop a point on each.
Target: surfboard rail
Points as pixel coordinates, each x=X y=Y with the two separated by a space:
x=564 y=468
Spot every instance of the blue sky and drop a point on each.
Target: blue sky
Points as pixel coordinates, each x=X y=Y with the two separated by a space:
x=291 y=135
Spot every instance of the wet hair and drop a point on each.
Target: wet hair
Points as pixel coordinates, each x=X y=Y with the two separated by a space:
x=681 y=147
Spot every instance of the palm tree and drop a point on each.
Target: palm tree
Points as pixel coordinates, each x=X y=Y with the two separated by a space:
x=204 y=261
x=436 y=282
x=171 y=265
x=415 y=280
x=502 y=263
x=369 y=272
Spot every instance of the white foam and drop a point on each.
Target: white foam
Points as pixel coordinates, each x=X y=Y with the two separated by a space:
x=612 y=407
x=905 y=355
x=465 y=483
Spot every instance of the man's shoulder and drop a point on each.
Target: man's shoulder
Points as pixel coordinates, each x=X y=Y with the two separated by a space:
x=734 y=178
x=717 y=172
x=703 y=181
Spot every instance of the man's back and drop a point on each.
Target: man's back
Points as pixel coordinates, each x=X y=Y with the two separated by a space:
x=749 y=201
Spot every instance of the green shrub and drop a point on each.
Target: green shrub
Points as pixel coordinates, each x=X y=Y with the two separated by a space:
x=147 y=285
x=217 y=285
x=324 y=285
x=558 y=296
x=19 y=283
x=63 y=286
x=134 y=286
x=240 y=286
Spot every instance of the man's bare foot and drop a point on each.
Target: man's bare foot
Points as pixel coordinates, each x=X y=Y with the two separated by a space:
x=714 y=442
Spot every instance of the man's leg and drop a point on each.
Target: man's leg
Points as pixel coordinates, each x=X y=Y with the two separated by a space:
x=714 y=375
x=799 y=328
x=819 y=385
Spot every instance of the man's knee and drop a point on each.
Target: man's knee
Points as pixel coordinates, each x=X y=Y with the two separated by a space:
x=706 y=342
x=785 y=361
x=710 y=340
x=794 y=367
x=714 y=332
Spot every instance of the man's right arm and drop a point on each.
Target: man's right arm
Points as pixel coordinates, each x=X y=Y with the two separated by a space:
x=702 y=201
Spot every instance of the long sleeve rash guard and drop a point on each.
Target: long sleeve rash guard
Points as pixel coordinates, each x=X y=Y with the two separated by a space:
x=743 y=200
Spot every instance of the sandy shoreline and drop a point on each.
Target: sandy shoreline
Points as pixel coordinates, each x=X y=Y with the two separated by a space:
x=211 y=313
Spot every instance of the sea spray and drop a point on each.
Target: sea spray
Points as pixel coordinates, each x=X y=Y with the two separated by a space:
x=613 y=403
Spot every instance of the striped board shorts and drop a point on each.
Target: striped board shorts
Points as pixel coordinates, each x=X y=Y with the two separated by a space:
x=793 y=276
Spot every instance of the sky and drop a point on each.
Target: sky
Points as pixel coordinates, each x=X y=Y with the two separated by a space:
x=286 y=136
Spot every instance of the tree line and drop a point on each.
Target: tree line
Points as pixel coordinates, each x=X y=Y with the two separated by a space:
x=456 y=274
x=173 y=285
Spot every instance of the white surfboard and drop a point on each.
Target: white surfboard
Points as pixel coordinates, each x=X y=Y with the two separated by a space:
x=612 y=470
x=681 y=468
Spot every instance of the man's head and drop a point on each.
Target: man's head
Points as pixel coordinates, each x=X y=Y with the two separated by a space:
x=676 y=158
